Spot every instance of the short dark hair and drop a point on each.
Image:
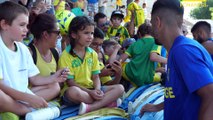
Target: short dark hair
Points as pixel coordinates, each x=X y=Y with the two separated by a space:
x=98 y=33
x=108 y=43
x=202 y=24
x=173 y=5
x=144 y=29
x=10 y=10
x=99 y=16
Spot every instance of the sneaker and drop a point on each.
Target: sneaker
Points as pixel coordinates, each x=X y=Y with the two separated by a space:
x=43 y=114
x=84 y=108
x=115 y=103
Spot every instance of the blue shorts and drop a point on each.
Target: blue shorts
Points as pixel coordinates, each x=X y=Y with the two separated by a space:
x=69 y=102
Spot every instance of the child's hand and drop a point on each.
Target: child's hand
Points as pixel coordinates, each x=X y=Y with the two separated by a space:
x=36 y=101
x=61 y=75
x=107 y=71
x=116 y=67
x=96 y=94
x=118 y=47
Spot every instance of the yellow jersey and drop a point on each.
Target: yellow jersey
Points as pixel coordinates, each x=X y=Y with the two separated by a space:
x=139 y=13
x=81 y=70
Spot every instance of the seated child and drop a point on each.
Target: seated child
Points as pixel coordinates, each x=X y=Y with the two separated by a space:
x=109 y=70
x=111 y=49
x=83 y=86
x=140 y=70
x=16 y=64
x=126 y=44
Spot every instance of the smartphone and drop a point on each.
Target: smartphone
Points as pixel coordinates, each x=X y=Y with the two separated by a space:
x=109 y=67
x=116 y=63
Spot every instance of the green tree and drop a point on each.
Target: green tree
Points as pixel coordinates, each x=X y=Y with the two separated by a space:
x=203 y=11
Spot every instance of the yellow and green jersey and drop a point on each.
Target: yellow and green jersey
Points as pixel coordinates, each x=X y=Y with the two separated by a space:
x=121 y=31
x=81 y=70
x=140 y=70
x=139 y=13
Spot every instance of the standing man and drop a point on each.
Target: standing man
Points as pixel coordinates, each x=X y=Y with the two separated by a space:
x=189 y=84
x=202 y=33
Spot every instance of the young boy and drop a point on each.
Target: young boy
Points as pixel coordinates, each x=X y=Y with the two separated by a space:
x=140 y=70
x=107 y=70
x=117 y=31
x=111 y=49
x=16 y=64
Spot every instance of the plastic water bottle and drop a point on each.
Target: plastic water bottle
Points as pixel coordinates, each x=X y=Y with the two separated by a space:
x=43 y=114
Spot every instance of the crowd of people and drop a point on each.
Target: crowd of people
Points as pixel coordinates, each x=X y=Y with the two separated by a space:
x=53 y=54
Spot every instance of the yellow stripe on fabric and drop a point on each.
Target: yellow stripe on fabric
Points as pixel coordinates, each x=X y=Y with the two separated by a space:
x=124 y=74
x=130 y=91
x=127 y=53
x=102 y=112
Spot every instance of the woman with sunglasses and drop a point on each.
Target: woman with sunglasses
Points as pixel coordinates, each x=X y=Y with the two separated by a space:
x=46 y=32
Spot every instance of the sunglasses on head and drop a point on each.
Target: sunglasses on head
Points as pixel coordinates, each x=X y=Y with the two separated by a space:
x=104 y=24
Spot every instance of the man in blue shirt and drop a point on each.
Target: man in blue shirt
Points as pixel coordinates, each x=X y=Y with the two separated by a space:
x=202 y=33
x=189 y=84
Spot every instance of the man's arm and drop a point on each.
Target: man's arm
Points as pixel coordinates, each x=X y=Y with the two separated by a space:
x=206 y=108
x=209 y=46
x=152 y=108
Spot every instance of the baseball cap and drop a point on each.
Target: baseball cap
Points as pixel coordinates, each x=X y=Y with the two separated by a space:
x=128 y=42
x=117 y=13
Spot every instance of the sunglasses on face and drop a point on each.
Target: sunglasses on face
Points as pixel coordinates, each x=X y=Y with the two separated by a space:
x=104 y=24
x=57 y=32
x=96 y=45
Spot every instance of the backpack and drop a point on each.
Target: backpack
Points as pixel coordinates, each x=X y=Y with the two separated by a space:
x=34 y=55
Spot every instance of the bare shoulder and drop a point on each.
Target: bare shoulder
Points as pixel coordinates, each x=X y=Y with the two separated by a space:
x=209 y=46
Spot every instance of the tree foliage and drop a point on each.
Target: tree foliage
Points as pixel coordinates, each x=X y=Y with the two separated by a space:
x=203 y=11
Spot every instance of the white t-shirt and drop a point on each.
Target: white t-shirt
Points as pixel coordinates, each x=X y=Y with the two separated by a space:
x=16 y=67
